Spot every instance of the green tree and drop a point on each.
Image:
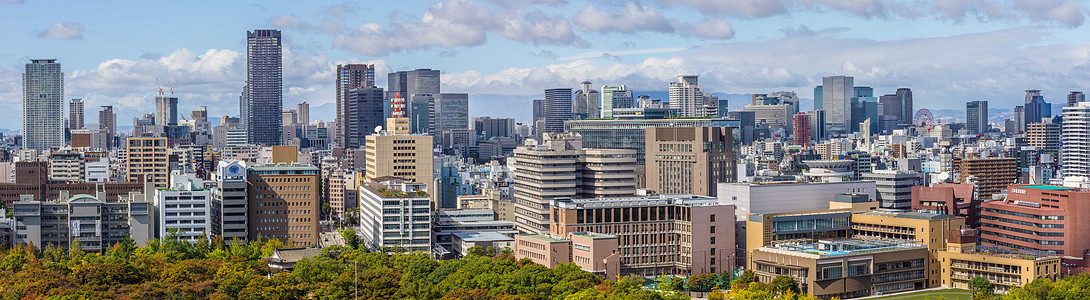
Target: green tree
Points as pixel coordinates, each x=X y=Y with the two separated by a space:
x=981 y=288
x=702 y=282
x=352 y=216
x=326 y=209
x=784 y=283
x=350 y=238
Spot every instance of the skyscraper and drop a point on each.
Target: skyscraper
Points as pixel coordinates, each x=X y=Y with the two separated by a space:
x=1074 y=97
x=1036 y=108
x=558 y=109
x=108 y=120
x=614 y=97
x=585 y=102
x=686 y=95
x=263 y=96
x=43 y=105
x=349 y=76
x=836 y=95
x=302 y=113
x=453 y=111
x=801 y=129
x=539 y=109
x=407 y=83
x=365 y=112
x=976 y=116
x=1075 y=140
x=75 y=114
x=907 y=112
x=166 y=110
x=1020 y=118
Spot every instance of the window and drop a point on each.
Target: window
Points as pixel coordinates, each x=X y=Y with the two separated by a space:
x=713 y=229
x=713 y=219
x=830 y=272
x=713 y=240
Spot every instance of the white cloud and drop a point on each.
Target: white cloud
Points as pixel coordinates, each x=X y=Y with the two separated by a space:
x=633 y=17
x=64 y=31
x=458 y=23
x=596 y=54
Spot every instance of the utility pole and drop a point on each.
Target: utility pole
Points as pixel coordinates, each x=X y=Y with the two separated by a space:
x=356 y=279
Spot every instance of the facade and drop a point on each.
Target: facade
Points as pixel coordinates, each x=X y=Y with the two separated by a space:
x=836 y=99
x=1044 y=136
x=184 y=209
x=66 y=165
x=283 y=204
x=666 y=234
x=97 y=223
x=955 y=199
x=488 y=127
x=686 y=95
x=585 y=102
x=1038 y=217
x=166 y=110
x=1004 y=268
x=414 y=82
x=614 y=97
x=800 y=129
x=263 y=96
x=43 y=105
x=349 y=76
x=147 y=160
x=990 y=175
x=558 y=108
x=1075 y=138
x=630 y=134
x=75 y=114
x=366 y=112
x=230 y=212
x=689 y=160
x=926 y=229
x=846 y=268
x=895 y=187
x=452 y=112
x=400 y=155
x=560 y=168
x=976 y=117
x=395 y=213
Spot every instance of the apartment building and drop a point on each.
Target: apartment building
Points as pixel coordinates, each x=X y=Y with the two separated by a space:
x=283 y=204
x=230 y=213
x=990 y=175
x=66 y=165
x=147 y=157
x=395 y=214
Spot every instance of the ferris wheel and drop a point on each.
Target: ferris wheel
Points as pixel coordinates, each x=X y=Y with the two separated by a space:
x=923 y=118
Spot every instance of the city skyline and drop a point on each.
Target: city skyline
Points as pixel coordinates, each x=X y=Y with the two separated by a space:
x=950 y=55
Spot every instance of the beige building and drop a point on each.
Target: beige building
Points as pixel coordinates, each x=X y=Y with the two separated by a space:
x=489 y=199
x=560 y=168
x=147 y=156
x=593 y=252
x=689 y=160
x=845 y=268
x=1004 y=268
x=283 y=204
x=542 y=249
x=409 y=156
x=925 y=228
x=66 y=165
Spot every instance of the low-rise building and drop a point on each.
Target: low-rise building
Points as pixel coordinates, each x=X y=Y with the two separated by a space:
x=96 y=223
x=846 y=268
x=963 y=260
x=184 y=209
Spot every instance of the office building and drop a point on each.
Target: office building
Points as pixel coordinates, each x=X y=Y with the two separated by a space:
x=614 y=97
x=302 y=111
x=686 y=95
x=451 y=112
x=585 y=102
x=283 y=204
x=558 y=108
x=677 y=235
x=184 y=209
x=836 y=99
x=147 y=160
x=229 y=203
x=1044 y=136
x=1004 y=268
x=75 y=114
x=846 y=268
x=66 y=165
x=421 y=114
x=629 y=133
x=262 y=98
x=1074 y=97
x=990 y=175
x=539 y=109
x=976 y=117
x=395 y=214
x=98 y=223
x=689 y=160
x=907 y=110
x=1036 y=109
x=1075 y=140
x=166 y=110
x=1038 y=217
x=400 y=155
x=801 y=131
x=924 y=228
x=894 y=188
x=486 y=128
x=955 y=199
x=408 y=83
x=560 y=168
x=43 y=105
x=349 y=76
x=366 y=112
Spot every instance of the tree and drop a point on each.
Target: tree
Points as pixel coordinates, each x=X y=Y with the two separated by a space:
x=716 y=295
x=702 y=282
x=326 y=209
x=350 y=238
x=352 y=216
x=784 y=283
x=981 y=288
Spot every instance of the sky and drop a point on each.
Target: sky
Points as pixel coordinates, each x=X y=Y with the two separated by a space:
x=505 y=52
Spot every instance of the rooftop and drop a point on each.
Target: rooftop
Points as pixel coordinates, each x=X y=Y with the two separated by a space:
x=482 y=236
x=594 y=235
x=544 y=238
x=634 y=201
x=284 y=168
x=1046 y=187
x=908 y=215
x=845 y=247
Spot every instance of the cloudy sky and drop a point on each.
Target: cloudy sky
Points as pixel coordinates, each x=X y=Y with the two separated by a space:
x=507 y=51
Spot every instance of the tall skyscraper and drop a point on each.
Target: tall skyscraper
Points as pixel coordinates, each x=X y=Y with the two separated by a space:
x=1074 y=97
x=819 y=92
x=453 y=111
x=976 y=116
x=263 y=96
x=1075 y=140
x=43 y=105
x=686 y=95
x=407 y=83
x=614 y=97
x=1036 y=108
x=907 y=112
x=558 y=109
x=166 y=110
x=422 y=113
x=801 y=129
x=349 y=76
x=1020 y=118
x=302 y=113
x=585 y=102
x=107 y=120
x=365 y=112
x=539 y=109
x=836 y=96
x=75 y=114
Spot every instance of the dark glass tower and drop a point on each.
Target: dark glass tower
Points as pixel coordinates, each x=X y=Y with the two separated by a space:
x=263 y=97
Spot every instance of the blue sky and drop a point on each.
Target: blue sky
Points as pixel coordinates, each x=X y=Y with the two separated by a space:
x=507 y=51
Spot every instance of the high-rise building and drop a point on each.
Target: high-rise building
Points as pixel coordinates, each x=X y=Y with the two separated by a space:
x=1037 y=110
x=147 y=160
x=558 y=108
x=166 y=110
x=907 y=112
x=229 y=202
x=107 y=120
x=818 y=95
x=452 y=112
x=1044 y=136
x=43 y=105
x=1020 y=118
x=836 y=96
x=408 y=83
x=976 y=116
x=394 y=152
x=75 y=114
x=585 y=102
x=559 y=167
x=365 y=112
x=689 y=160
x=263 y=96
x=185 y=208
x=302 y=113
x=539 y=109
x=1075 y=140
x=817 y=125
x=1045 y=218
x=395 y=213
x=283 y=204
x=801 y=131
x=614 y=97
x=630 y=134
x=990 y=175
x=895 y=187
x=349 y=77
x=1074 y=97
x=686 y=95
x=488 y=127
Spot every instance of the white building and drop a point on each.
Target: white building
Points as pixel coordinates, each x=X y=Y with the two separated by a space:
x=97 y=171
x=185 y=206
x=686 y=96
x=395 y=213
x=1075 y=140
x=43 y=105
